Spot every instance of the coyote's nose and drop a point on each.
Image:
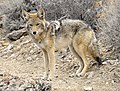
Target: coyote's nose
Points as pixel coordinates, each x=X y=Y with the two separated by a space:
x=34 y=33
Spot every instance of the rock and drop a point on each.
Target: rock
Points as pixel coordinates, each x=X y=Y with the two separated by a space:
x=21 y=87
x=113 y=62
x=116 y=78
x=113 y=81
x=104 y=63
x=10 y=46
x=15 y=35
x=13 y=56
x=90 y=74
x=13 y=83
x=72 y=75
x=1 y=84
x=106 y=83
x=31 y=51
x=29 y=59
x=1 y=73
x=88 y=88
x=30 y=89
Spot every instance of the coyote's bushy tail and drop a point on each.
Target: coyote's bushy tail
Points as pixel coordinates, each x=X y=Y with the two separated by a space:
x=95 y=50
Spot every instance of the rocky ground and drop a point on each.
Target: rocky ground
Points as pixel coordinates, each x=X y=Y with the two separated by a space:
x=21 y=69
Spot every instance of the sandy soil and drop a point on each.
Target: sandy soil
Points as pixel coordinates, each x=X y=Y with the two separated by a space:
x=22 y=64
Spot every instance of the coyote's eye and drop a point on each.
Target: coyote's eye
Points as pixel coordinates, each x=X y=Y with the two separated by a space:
x=37 y=24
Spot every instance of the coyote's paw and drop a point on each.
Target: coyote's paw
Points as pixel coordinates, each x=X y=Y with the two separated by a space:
x=80 y=74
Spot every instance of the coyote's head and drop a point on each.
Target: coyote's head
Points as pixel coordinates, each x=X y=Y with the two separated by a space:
x=35 y=21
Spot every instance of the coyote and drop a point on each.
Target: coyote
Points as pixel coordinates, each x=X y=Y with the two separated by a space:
x=55 y=35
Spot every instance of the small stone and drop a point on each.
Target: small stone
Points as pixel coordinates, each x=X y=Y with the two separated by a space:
x=90 y=75
x=13 y=56
x=1 y=74
x=72 y=75
x=113 y=62
x=10 y=47
x=107 y=83
x=63 y=82
x=13 y=83
x=2 y=84
x=26 y=42
x=31 y=51
x=29 y=59
x=104 y=63
x=22 y=86
x=30 y=89
x=113 y=81
x=88 y=88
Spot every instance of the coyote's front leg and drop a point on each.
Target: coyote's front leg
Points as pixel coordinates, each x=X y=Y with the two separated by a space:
x=46 y=63
x=51 y=55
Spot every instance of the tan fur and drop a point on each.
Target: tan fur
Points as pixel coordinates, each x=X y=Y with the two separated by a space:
x=55 y=35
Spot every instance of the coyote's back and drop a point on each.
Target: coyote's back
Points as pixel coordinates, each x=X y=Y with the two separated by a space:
x=66 y=30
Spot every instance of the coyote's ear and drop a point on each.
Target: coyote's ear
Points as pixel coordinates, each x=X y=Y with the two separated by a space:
x=41 y=13
x=25 y=14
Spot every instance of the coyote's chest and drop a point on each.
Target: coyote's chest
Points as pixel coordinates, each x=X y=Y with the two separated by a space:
x=38 y=41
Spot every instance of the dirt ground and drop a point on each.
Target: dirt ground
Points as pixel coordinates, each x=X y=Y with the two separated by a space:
x=22 y=63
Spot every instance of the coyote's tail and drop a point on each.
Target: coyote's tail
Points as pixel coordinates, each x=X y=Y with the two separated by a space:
x=95 y=49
